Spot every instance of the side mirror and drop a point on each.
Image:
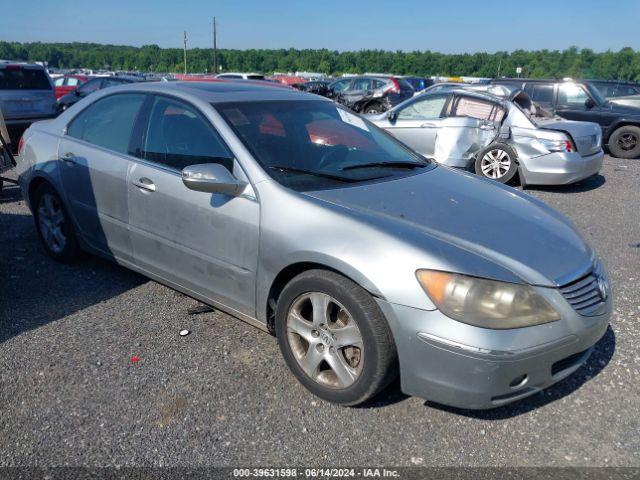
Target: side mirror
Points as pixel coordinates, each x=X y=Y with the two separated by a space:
x=589 y=103
x=212 y=178
x=392 y=115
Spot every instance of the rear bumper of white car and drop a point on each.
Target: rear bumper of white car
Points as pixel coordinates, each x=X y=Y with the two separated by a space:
x=559 y=168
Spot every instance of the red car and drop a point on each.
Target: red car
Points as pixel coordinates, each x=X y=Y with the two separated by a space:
x=68 y=84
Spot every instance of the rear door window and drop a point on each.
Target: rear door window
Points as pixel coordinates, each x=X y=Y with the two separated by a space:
x=108 y=123
x=542 y=94
x=178 y=136
x=477 y=108
x=360 y=84
x=19 y=78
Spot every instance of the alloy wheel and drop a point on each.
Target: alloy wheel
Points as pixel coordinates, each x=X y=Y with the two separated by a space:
x=495 y=163
x=325 y=340
x=627 y=141
x=52 y=222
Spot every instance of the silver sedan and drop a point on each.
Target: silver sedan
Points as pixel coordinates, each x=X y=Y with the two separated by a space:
x=494 y=137
x=295 y=215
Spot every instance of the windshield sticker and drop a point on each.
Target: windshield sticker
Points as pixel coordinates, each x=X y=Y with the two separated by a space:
x=352 y=119
x=236 y=117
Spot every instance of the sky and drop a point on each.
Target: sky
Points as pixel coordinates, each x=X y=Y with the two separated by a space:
x=446 y=26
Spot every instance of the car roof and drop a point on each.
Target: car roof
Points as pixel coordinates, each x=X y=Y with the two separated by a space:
x=222 y=92
x=614 y=82
x=33 y=66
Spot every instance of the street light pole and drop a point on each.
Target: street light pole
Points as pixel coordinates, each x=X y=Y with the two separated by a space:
x=185 y=52
x=215 y=49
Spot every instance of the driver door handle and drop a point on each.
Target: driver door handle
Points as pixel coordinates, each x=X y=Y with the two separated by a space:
x=427 y=125
x=69 y=158
x=145 y=184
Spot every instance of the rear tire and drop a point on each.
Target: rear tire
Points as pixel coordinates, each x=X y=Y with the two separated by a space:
x=54 y=226
x=334 y=338
x=625 y=142
x=496 y=162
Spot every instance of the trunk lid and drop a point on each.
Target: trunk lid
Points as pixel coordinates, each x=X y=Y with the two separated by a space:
x=587 y=136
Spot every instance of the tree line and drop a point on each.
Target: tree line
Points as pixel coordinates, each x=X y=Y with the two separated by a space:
x=572 y=62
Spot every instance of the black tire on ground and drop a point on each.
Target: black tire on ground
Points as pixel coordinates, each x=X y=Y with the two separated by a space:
x=373 y=108
x=496 y=162
x=67 y=251
x=625 y=142
x=379 y=355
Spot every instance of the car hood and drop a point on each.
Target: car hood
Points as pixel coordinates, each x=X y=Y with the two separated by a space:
x=625 y=110
x=498 y=223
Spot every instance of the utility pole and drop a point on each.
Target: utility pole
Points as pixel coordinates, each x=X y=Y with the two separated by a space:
x=185 y=52
x=215 y=49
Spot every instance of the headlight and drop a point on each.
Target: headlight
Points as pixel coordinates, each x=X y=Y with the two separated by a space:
x=486 y=303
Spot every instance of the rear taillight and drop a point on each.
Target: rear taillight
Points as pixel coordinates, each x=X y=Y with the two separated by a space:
x=394 y=86
x=558 y=145
x=569 y=146
x=20 y=145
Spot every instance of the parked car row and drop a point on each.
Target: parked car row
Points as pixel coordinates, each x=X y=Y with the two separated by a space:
x=293 y=213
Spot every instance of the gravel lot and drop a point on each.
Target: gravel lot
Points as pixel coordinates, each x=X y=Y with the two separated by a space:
x=70 y=395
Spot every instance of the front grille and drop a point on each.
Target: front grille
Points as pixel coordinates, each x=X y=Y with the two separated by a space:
x=584 y=294
x=568 y=362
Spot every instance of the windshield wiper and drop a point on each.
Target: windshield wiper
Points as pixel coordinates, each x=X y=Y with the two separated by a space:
x=283 y=168
x=409 y=165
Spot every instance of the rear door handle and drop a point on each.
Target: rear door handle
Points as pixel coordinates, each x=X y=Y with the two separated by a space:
x=487 y=127
x=427 y=125
x=69 y=158
x=145 y=184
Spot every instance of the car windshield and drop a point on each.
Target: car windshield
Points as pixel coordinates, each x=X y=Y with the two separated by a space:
x=595 y=93
x=312 y=145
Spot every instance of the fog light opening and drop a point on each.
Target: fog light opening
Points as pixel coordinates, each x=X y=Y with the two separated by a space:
x=519 y=381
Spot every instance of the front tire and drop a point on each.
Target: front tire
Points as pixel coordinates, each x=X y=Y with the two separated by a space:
x=54 y=225
x=373 y=109
x=334 y=338
x=625 y=142
x=497 y=162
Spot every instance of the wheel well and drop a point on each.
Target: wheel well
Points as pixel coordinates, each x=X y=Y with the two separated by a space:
x=284 y=277
x=627 y=123
x=374 y=101
x=33 y=186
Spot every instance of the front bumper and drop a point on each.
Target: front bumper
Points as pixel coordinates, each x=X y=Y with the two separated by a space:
x=559 y=168
x=456 y=364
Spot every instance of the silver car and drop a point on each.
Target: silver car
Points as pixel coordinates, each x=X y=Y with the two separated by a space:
x=301 y=218
x=496 y=137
